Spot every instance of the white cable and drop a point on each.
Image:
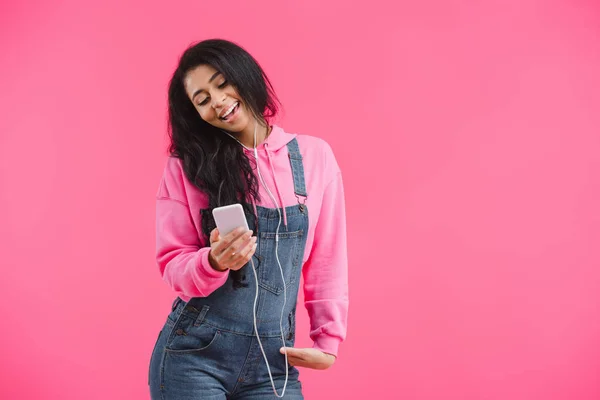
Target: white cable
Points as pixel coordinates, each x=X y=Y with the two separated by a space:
x=256 y=277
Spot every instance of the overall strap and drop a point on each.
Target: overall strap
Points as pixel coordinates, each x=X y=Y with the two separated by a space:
x=297 y=169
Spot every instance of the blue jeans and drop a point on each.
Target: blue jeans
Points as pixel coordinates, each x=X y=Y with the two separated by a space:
x=196 y=359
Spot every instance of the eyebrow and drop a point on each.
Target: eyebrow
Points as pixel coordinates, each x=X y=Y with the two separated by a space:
x=212 y=78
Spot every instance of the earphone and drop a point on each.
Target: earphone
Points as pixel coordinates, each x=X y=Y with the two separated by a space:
x=280 y=270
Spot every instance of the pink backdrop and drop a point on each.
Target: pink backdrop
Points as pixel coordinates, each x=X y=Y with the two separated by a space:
x=469 y=136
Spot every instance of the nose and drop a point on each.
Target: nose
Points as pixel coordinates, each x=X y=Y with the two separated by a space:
x=218 y=102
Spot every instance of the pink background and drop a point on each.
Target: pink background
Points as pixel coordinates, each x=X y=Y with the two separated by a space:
x=469 y=136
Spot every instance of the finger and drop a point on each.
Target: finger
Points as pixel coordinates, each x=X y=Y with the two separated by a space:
x=234 y=234
x=293 y=352
x=227 y=240
x=235 y=255
x=214 y=236
x=240 y=242
x=236 y=250
x=233 y=238
x=245 y=254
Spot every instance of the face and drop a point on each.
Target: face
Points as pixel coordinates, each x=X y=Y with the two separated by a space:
x=217 y=101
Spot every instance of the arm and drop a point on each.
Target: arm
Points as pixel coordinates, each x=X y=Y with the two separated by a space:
x=181 y=256
x=326 y=273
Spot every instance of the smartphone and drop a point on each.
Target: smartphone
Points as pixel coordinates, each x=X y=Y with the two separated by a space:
x=229 y=218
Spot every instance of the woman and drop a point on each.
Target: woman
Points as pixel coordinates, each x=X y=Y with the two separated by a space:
x=225 y=150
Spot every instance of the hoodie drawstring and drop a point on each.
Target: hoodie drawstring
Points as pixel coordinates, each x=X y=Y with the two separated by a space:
x=276 y=186
x=255 y=216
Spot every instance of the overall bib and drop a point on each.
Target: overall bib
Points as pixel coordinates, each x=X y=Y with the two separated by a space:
x=207 y=348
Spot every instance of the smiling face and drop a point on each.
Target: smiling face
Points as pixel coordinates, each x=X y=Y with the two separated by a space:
x=216 y=100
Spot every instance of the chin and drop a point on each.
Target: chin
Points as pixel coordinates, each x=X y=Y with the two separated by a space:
x=240 y=125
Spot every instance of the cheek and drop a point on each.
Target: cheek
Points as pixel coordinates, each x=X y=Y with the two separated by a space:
x=206 y=114
x=231 y=92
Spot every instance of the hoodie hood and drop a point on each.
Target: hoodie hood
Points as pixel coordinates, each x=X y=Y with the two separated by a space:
x=277 y=140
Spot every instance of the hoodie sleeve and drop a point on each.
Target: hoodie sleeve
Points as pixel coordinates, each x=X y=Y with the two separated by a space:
x=326 y=273
x=180 y=253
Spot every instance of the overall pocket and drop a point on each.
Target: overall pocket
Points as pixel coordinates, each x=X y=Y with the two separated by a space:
x=288 y=250
x=191 y=333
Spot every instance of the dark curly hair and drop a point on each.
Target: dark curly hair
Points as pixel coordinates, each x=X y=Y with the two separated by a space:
x=214 y=162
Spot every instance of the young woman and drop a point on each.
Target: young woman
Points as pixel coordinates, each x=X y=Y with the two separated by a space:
x=230 y=333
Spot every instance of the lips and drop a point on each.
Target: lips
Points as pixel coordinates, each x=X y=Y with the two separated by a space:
x=229 y=111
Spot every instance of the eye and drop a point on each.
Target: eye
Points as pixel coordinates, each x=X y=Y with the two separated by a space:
x=222 y=85
x=203 y=102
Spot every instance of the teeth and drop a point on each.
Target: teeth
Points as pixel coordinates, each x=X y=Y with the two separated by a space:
x=229 y=110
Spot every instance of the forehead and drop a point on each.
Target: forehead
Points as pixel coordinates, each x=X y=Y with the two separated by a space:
x=198 y=78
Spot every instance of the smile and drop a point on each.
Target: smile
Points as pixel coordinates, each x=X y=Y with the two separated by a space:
x=230 y=112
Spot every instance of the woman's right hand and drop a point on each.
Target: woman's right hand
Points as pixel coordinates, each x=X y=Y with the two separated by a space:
x=232 y=251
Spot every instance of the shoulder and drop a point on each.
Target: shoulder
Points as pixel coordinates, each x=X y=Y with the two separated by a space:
x=310 y=142
x=173 y=182
x=173 y=171
x=309 y=145
x=318 y=150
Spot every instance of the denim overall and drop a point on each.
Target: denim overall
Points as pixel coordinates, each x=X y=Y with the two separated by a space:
x=207 y=348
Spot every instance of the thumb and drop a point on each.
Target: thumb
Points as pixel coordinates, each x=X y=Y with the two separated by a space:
x=290 y=351
x=215 y=236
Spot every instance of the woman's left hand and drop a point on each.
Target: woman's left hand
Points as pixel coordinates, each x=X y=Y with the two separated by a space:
x=308 y=358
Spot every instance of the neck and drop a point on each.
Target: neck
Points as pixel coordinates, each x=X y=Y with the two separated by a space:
x=246 y=137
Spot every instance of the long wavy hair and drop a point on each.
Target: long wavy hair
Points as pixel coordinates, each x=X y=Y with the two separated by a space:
x=213 y=161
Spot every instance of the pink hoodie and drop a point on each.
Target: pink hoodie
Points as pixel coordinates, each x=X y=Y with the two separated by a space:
x=182 y=254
